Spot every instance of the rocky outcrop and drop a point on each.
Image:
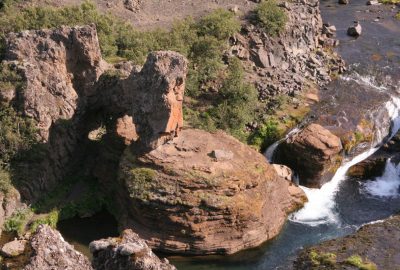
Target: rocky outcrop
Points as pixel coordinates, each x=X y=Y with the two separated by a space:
x=293 y=61
x=45 y=249
x=128 y=252
x=180 y=198
x=59 y=68
x=374 y=246
x=157 y=98
x=314 y=153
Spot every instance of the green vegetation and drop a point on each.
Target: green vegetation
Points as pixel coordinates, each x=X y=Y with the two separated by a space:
x=271 y=17
x=357 y=261
x=18 y=221
x=5 y=181
x=326 y=259
x=50 y=219
x=140 y=181
x=266 y=134
x=398 y=16
x=390 y=2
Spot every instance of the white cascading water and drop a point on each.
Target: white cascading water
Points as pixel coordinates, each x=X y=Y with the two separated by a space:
x=320 y=207
x=387 y=185
x=269 y=153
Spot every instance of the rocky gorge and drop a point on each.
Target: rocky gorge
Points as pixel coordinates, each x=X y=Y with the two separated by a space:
x=180 y=190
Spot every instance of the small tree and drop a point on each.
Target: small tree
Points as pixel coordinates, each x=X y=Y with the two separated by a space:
x=271 y=17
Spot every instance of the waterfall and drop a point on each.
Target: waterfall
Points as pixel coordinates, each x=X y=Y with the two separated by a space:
x=320 y=207
x=269 y=153
x=387 y=185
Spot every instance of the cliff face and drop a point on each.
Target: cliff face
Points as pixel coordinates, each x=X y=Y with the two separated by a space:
x=59 y=69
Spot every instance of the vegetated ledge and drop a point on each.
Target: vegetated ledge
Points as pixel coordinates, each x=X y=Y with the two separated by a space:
x=373 y=246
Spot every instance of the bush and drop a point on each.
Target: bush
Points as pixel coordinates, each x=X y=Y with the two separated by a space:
x=18 y=221
x=221 y=24
x=271 y=17
x=5 y=181
x=265 y=135
x=50 y=219
x=139 y=182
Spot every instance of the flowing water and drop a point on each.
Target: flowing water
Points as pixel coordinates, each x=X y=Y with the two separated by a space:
x=370 y=90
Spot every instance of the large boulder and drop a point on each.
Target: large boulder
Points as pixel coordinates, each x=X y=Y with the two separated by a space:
x=314 y=153
x=128 y=252
x=180 y=198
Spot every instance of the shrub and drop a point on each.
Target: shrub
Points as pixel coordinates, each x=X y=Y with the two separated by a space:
x=221 y=24
x=271 y=17
x=18 y=221
x=5 y=181
x=266 y=134
x=50 y=219
x=325 y=259
x=139 y=182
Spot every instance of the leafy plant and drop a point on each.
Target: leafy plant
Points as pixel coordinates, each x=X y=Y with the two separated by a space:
x=271 y=17
x=18 y=221
x=357 y=261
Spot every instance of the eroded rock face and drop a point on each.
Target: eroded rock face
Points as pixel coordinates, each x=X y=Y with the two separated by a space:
x=181 y=199
x=158 y=97
x=59 y=68
x=314 y=153
x=129 y=252
x=50 y=251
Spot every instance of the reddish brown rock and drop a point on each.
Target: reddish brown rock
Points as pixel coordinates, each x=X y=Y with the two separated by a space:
x=125 y=129
x=128 y=252
x=314 y=153
x=158 y=96
x=181 y=199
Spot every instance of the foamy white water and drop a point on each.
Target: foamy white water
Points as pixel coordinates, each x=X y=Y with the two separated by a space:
x=269 y=153
x=320 y=207
x=387 y=185
x=367 y=80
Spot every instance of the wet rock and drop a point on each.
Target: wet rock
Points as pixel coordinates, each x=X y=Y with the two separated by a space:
x=129 y=252
x=14 y=248
x=313 y=153
x=355 y=30
x=194 y=205
x=50 y=251
x=374 y=245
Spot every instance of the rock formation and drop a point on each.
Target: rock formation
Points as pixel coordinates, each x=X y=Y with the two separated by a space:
x=182 y=199
x=157 y=98
x=45 y=249
x=374 y=246
x=314 y=153
x=293 y=61
x=128 y=252
x=59 y=68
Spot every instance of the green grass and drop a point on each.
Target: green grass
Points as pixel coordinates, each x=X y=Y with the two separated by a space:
x=271 y=17
x=357 y=261
x=50 y=219
x=18 y=221
x=140 y=181
x=389 y=2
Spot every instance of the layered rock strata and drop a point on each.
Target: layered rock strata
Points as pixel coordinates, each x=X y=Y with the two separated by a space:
x=182 y=199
